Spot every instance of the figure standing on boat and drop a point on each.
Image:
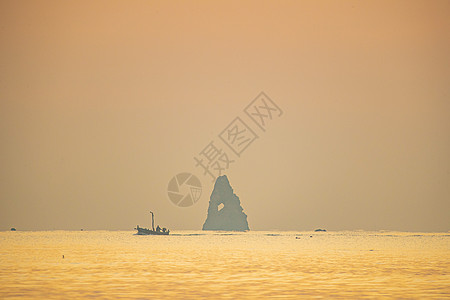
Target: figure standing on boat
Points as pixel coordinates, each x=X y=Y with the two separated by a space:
x=158 y=231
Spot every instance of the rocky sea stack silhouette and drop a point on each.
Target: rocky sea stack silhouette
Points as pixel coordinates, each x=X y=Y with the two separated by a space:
x=230 y=216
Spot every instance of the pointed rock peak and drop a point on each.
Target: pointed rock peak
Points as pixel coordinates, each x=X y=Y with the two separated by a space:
x=222 y=185
x=222 y=181
x=225 y=211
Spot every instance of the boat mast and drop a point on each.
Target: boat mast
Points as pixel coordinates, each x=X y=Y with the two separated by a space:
x=153 y=221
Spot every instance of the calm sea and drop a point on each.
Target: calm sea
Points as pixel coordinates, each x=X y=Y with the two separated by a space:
x=224 y=265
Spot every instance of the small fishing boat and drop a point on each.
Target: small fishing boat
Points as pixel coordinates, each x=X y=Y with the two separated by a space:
x=146 y=231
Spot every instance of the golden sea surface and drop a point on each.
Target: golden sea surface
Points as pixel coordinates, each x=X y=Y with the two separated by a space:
x=224 y=265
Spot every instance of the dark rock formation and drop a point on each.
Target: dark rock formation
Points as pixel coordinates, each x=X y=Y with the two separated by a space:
x=231 y=215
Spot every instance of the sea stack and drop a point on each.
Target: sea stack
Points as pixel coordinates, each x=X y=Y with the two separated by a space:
x=229 y=217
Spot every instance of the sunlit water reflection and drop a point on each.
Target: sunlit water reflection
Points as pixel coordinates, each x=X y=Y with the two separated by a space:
x=196 y=264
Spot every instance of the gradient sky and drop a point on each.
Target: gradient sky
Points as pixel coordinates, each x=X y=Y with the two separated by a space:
x=103 y=102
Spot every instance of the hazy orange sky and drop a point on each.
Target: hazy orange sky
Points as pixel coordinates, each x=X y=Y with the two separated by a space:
x=102 y=102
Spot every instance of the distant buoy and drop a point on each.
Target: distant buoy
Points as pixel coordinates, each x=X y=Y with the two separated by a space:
x=63 y=256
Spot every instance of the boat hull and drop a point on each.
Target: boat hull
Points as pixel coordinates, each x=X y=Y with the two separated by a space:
x=146 y=231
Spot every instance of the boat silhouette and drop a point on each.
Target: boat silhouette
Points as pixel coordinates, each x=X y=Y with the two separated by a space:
x=146 y=231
